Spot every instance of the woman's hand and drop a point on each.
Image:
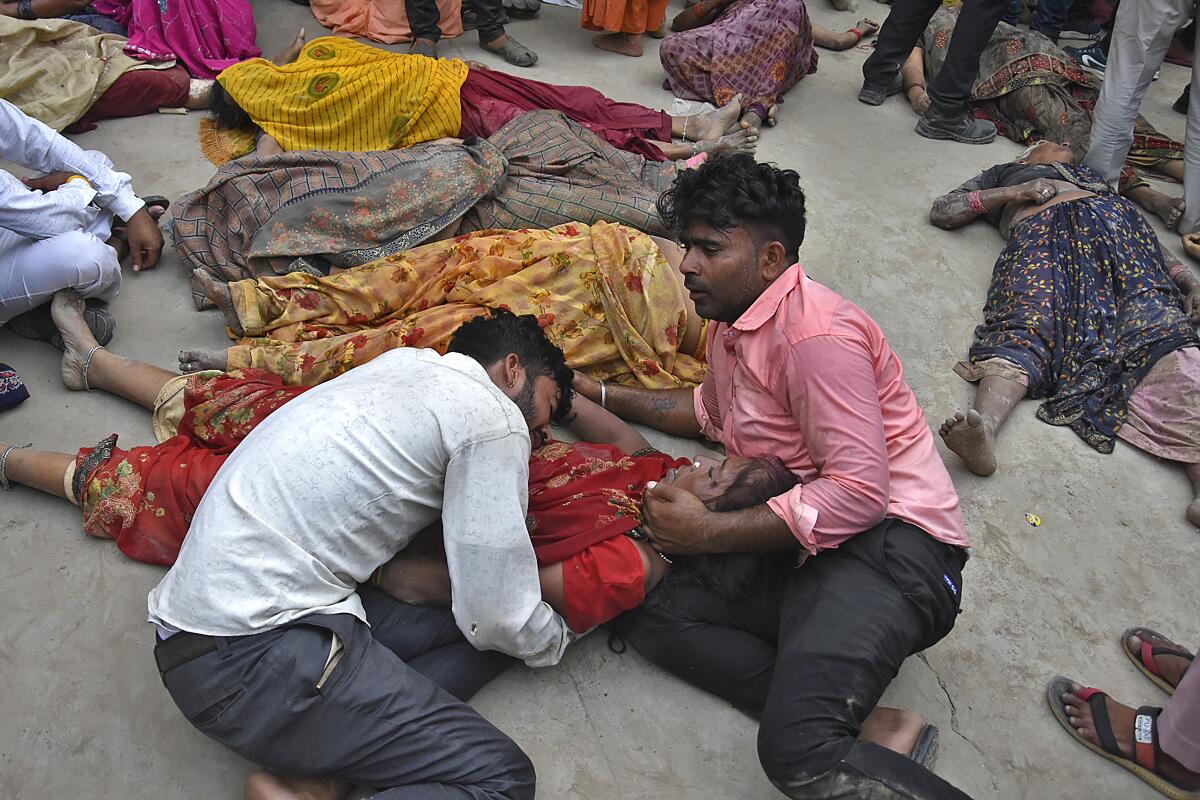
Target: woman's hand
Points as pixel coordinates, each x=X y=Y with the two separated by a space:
x=1191 y=305
x=918 y=98
x=1191 y=245
x=1036 y=191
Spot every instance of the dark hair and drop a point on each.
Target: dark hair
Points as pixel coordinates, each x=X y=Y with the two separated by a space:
x=490 y=338
x=732 y=190
x=736 y=576
x=228 y=114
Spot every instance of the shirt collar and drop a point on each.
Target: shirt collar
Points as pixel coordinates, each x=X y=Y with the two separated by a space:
x=764 y=308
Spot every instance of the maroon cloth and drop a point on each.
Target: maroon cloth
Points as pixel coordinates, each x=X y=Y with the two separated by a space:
x=142 y=91
x=490 y=100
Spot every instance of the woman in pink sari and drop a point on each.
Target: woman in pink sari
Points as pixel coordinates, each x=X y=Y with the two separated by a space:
x=206 y=36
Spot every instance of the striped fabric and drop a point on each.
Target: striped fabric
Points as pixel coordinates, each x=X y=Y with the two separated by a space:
x=345 y=95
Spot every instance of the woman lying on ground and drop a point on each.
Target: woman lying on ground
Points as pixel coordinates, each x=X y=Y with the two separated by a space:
x=205 y=36
x=1085 y=309
x=74 y=10
x=344 y=95
x=68 y=75
x=611 y=297
x=1032 y=90
x=304 y=210
x=584 y=500
x=756 y=49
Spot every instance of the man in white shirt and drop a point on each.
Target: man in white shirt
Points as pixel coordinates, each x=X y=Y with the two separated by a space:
x=54 y=229
x=266 y=641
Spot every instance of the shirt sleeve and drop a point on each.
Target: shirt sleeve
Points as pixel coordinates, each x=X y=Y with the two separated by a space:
x=33 y=145
x=708 y=412
x=496 y=594
x=833 y=395
x=40 y=215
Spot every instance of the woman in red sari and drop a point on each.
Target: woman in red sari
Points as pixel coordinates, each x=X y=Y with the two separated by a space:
x=584 y=498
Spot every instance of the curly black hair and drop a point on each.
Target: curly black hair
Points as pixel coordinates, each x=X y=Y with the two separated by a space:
x=731 y=190
x=228 y=114
x=489 y=338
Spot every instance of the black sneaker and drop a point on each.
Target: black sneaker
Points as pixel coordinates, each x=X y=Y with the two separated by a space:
x=874 y=94
x=965 y=129
x=1092 y=58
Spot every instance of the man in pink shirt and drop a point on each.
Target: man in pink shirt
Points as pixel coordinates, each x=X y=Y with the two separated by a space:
x=798 y=372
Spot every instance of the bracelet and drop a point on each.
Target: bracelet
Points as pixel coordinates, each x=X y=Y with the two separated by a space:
x=976 y=204
x=1177 y=270
x=77 y=175
x=684 y=134
x=920 y=86
x=858 y=35
x=25 y=9
x=603 y=395
x=4 y=484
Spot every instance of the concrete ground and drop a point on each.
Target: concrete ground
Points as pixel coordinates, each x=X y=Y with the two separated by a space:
x=84 y=713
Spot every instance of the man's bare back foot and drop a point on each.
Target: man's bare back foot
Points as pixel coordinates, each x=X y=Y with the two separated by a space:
x=894 y=728
x=1169 y=666
x=712 y=125
x=1121 y=717
x=198 y=360
x=626 y=44
x=968 y=436
x=217 y=293
x=66 y=309
x=264 y=785
x=737 y=142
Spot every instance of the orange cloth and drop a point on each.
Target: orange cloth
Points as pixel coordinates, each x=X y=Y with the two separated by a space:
x=623 y=16
x=381 y=20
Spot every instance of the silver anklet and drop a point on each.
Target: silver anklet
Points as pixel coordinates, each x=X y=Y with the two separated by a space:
x=87 y=363
x=4 y=484
x=684 y=134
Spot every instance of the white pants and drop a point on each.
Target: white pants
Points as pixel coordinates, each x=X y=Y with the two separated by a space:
x=1141 y=35
x=32 y=270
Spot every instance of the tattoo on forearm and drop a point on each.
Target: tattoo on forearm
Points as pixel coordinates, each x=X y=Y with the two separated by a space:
x=664 y=405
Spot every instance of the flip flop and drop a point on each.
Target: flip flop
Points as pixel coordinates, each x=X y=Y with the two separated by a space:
x=514 y=53
x=1153 y=644
x=38 y=325
x=1144 y=763
x=924 y=752
x=423 y=47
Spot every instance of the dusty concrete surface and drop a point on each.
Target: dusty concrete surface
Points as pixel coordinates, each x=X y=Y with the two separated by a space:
x=84 y=713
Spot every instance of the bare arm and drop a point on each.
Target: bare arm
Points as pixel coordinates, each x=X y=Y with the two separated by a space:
x=1184 y=278
x=46 y=9
x=594 y=424
x=954 y=210
x=697 y=16
x=668 y=410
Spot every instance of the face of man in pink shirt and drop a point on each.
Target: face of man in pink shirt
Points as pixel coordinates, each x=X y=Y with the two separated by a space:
x=725 y=270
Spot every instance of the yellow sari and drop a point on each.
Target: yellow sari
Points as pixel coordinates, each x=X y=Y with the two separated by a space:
x=345 y=95
x=603 y=293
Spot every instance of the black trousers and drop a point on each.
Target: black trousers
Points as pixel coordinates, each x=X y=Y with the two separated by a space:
x=950 y=90
x=390 y=715
x=812 y=652
x=423 y=18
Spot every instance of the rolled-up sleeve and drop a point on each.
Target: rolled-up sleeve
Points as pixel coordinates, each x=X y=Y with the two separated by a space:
x=708 y=412
x=836 y=407
x=496 y=594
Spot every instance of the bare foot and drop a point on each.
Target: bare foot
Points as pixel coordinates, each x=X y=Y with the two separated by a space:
x=772 y=116
x=66 y=309
x=967 y=436
x=423 y=47
x=751 y=122
x=197 y=360
x=1170 y=667
x=718 y=122
x=739 y=142
x=1121 y=717
x=292 y=51
x=264 y=785
x=627 y=44
x=844 y=5
x=658 y=33
x=218 y=294
x=1193 y=512
x=893 y=728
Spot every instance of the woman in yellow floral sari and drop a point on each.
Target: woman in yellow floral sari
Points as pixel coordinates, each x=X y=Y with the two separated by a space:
x=610 y=296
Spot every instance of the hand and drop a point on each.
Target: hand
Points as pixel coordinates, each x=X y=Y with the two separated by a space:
x=676 y=521
x=1191 y=305
x=587 y=386
x=145 y=240
x=1191 y=245
x=918 y=99
x=1037 y=191
x=476 y=64
x=47 y=183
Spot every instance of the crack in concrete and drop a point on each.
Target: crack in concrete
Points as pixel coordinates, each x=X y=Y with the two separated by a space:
x=954 y=718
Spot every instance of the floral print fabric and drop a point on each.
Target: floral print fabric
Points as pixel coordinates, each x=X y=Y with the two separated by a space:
x=603 y=293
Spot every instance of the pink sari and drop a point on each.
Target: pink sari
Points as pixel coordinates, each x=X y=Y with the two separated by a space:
x=206 y=36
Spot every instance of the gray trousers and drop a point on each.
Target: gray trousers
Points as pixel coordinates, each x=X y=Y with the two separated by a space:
x=1141 y=35
x=380 y=719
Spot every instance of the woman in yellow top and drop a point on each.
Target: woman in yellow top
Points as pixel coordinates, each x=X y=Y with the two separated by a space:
x=344 y=95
